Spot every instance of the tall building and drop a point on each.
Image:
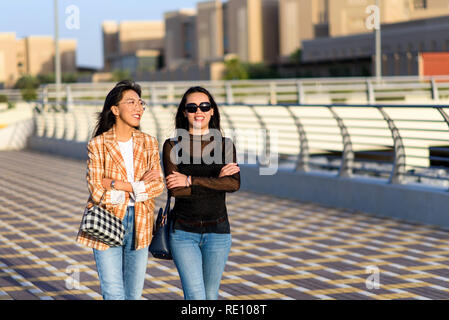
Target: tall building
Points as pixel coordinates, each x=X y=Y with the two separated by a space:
x=132 y=45
x=244 y=19
x=33 y=55
x=180 y=38
x=8 y=59
x=270 y=30
x=209 y=31
x=301 y=20
x=252 y=29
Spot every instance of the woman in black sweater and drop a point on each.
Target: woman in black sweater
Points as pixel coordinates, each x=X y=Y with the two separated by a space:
x=200 y=167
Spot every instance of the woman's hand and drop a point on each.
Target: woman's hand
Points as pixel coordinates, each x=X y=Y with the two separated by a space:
x=229 y=170
x=177 y=179
x=151 y=175
x=106 y=183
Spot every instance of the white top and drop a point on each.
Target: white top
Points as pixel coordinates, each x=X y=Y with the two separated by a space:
x=126 y=148
x=139 y=194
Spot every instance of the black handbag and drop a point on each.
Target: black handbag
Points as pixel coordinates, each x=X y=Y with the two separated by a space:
x=160 y=246
x=103 y=226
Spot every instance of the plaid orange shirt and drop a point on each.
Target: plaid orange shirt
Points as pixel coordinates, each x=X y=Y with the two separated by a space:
x=105 y=161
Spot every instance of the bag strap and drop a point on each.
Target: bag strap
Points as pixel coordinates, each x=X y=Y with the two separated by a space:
x=104 y=162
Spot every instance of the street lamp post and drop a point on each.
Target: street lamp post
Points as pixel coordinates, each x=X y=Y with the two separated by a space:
x=57 y=55
x=378 y=43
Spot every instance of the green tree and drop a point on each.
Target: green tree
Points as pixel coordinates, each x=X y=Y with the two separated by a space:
x=235 y=70
x=296 y=57
x=121 y=74
x=26 y=81
x=261 y=71
x=66 y=77
x=28 y=87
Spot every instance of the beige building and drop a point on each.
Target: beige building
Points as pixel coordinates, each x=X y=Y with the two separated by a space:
x=132 y=41
x=244 y=22
x=210 y=31
x=8 y=59
x=348 y=17
x=180 y=38
x=37 y=55
x=252 y=29
x=33 y=55
x=301 y=20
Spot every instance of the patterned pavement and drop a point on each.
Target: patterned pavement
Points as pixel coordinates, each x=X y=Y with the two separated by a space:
x=282 y=249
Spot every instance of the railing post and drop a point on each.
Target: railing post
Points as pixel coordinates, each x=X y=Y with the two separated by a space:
x=300 y=91
x=435 y=94
x=229 y=94
x=171 y=93
x=273 y=95
x=347 y=158
x=153 y=97
x=69 y=98
x=44 y=97
x=371 y=98
x=398 y=172
x=302 y=163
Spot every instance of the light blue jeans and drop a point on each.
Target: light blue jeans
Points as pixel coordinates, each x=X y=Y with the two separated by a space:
x=122 y=269
x=200 y=260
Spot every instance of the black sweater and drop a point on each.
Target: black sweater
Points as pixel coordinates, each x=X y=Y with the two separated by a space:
x=201 y=208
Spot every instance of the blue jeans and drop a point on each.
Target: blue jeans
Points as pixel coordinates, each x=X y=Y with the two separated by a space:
x=200 y=260
x=122 y=269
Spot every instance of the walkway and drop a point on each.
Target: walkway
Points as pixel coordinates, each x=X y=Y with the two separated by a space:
x=282 y=249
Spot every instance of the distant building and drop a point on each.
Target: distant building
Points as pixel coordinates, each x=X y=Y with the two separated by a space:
x=252 y=30
x=180 y=38
x=33 y=55
x=402 y=46
x=301 y=20
x=210 y=31
x=9 y=67
x=39 y=55
x=133 y=45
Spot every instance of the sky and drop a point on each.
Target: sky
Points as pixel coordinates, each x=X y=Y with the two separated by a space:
x=36 y=17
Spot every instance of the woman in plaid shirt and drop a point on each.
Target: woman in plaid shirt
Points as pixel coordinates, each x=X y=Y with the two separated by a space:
x=123 y=176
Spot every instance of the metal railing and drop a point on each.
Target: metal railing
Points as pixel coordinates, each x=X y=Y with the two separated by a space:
x=408 y=90
x=403 y=144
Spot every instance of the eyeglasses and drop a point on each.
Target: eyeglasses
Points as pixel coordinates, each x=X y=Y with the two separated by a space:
x=193 y=107
x=133 y=103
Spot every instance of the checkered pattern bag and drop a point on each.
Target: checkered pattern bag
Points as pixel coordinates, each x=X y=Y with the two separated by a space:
x=104 y=226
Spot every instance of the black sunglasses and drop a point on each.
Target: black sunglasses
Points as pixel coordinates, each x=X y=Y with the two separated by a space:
x=192 y=107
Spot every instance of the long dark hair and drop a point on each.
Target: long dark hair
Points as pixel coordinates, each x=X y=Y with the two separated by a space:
x=106 y=119
x=181 y=122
